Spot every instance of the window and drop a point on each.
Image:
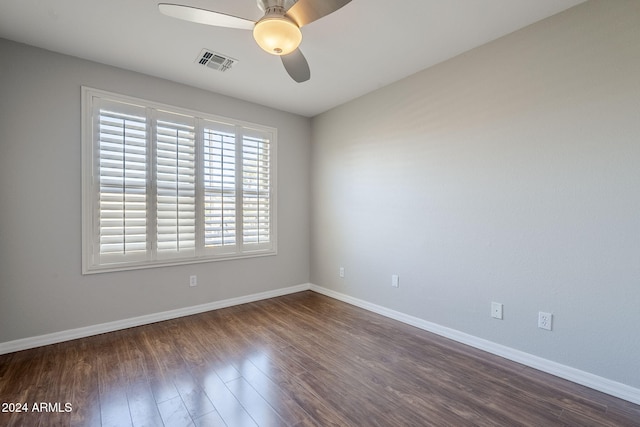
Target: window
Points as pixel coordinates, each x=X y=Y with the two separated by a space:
x=164 y=186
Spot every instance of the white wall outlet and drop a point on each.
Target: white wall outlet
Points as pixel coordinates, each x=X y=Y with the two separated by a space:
x=341 y=272
x=395 y=281
x=496 y=310
x=193 y=280
x=545 y=320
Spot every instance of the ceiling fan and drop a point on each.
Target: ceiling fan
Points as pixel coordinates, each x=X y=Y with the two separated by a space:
x=277 y=32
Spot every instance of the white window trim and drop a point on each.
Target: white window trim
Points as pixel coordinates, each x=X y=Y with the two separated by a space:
x=90 y=247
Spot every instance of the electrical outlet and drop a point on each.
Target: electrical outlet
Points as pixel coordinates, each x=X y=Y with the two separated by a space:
x=545 y=320
x=341 y=272
x=193 y=280
x=395 y=281
x=496 y=310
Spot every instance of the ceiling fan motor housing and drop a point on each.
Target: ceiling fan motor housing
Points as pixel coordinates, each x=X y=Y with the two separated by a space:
x=264 y=5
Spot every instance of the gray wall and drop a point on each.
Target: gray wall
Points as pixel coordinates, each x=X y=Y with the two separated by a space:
x=41 y=286
x=510 y=173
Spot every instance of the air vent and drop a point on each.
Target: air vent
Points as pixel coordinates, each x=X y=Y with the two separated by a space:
x=215 y=60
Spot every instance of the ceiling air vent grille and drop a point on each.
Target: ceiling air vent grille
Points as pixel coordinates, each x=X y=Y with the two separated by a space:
x=215 y=60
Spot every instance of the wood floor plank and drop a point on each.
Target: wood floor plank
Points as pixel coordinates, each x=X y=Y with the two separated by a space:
x=23 y=377
x=211 y=347
x=46 y=390
x=301 y=360
x=259 y=409
x=84 y=396
x=225 y=403
x=212 y=419
x=142 y=405
x=112 y=386
x=194 y=397
x=174 y=413
x=280 y=400
x=160 y=377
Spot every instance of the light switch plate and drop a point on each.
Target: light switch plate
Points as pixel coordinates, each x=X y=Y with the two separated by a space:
x=395 y=281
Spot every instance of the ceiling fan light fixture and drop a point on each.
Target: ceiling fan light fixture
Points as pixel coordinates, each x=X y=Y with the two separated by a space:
x=277 y=35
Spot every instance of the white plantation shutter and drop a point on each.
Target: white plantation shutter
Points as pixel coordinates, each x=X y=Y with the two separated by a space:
x=164 y=185
x=256 y=189
x=175 y=167
x=122 y=152
x=220 y=222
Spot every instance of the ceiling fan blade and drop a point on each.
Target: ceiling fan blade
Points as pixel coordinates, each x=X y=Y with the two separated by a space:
x=306 y=11
x=297 y=66
x=203 y=16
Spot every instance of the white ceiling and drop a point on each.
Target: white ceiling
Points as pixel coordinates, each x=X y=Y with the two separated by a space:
x=363 y=46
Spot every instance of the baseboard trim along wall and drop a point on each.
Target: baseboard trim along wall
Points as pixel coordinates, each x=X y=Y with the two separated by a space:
x=595 y=382
x=577 y=376
x=72 y=334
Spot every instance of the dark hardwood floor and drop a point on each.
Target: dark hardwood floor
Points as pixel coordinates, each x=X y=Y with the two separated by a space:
x=299 y=360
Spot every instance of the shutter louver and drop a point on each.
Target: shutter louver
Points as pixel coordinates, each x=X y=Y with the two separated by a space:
x=256 y=215
x=176 y=188
x=219 y=187
x=122 y=176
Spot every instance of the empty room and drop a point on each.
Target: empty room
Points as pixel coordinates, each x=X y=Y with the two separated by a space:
x=320 y=212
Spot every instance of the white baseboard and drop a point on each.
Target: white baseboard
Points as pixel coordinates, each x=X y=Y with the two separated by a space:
x=587 y=379
x=72 y=334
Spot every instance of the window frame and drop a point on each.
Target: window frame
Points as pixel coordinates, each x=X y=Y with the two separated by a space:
x=153 y=258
